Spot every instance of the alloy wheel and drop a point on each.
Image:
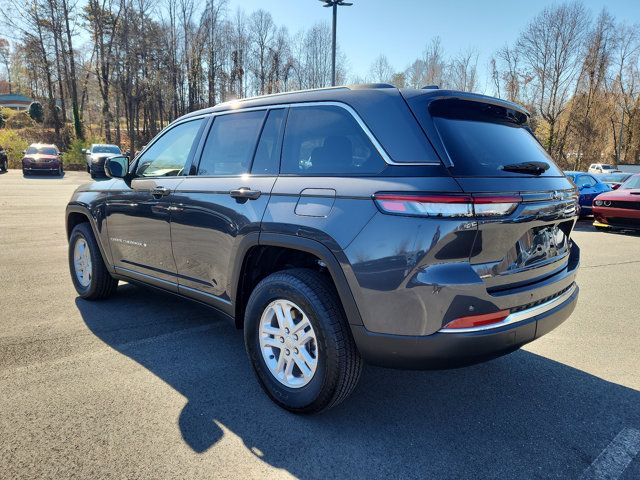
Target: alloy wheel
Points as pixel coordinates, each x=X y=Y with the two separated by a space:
x=82 y=262
x=288 y=343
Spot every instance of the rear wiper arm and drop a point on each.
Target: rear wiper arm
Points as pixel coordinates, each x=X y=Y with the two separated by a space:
x=535 y=168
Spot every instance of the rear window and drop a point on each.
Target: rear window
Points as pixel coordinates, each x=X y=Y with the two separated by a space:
x=481 y=138
x=631 y=184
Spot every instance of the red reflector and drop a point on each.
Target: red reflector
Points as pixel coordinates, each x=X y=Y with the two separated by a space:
x=478 y=320
x=393 y=205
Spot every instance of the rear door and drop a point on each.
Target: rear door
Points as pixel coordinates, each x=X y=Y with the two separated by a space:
x=138 y=214
x=530 y=205
x=224 y=200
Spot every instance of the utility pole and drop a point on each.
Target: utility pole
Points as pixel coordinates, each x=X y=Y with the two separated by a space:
x=334 y=4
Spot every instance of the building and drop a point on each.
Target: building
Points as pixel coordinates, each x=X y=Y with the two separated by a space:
x=15 y=101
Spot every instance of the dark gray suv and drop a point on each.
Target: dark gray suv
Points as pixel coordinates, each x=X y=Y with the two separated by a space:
x=405 y=228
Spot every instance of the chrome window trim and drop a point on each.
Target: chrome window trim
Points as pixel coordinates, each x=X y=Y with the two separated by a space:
x=518 y=316
x=380 y=149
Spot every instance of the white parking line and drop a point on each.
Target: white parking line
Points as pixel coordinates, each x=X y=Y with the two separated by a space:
x=613 y=460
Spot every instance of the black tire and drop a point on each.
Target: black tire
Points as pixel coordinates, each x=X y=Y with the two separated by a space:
x=339 y=363
x=93 y=175
x=5 y=166
x=24 y=173
x=88 y=169
x=102 y=284
x=602 y=229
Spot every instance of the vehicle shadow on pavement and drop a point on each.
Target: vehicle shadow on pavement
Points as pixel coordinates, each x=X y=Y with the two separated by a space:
x=520 y=416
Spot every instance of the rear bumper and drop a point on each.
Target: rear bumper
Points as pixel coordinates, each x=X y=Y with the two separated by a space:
x=451 y=350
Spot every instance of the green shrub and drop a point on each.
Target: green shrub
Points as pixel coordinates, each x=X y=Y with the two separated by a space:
x=19 y=120
x=74 y=153
x=14 y=144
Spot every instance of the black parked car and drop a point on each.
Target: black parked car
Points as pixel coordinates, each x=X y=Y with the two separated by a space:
x=96 y=155
x=406 y=228
x=4 y=160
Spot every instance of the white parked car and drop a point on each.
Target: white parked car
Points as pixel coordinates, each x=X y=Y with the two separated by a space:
x=602 y=168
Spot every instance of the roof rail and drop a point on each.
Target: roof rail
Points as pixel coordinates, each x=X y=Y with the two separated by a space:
x=430 y=87
x=361 y=86
x=279 y=94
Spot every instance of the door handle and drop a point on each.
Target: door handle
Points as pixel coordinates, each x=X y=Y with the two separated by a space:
x=159 y=192
x=245 y=193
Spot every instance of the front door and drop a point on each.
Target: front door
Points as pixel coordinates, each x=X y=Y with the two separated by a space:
x=215 y=209
x=139 y=214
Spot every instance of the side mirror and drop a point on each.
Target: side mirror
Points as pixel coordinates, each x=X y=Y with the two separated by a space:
x=116 y=167
x=24 y=152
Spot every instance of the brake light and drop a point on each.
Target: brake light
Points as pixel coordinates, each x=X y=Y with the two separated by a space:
x=447 y=205
x=477 y=320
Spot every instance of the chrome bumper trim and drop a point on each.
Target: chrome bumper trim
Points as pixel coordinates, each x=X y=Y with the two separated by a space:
x=518 y=316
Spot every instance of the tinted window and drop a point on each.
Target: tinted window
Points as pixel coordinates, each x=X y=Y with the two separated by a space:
x=168 y=155
x=326 y=140
x=231 y=143
x=267 y=158
x=481 y=138
x=615 y=177
x=585 y=181
x=632 y=183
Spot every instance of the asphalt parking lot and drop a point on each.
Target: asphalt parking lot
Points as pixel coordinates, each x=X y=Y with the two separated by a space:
x=149 y=386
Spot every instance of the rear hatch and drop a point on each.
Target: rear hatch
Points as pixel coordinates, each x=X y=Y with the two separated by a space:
x=525 y=207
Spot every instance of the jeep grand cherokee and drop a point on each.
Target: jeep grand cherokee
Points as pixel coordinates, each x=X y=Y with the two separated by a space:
x=405 y=228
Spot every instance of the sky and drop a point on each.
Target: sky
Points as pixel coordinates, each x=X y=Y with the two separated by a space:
x=400 y=29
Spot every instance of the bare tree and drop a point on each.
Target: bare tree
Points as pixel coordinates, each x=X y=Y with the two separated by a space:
x=381 y=70
x=463 y=71
x=551 y=48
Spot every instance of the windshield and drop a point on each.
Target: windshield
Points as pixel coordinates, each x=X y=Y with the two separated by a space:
x=106 y=149
x=481 y=139
x=615 y=177
x=607 y=167
x=631 y=184
x=41 y=151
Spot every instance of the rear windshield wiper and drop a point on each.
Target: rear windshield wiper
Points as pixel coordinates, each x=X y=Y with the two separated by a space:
x=535 y=168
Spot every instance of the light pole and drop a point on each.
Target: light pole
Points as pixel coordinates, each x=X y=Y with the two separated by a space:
x=334 y=4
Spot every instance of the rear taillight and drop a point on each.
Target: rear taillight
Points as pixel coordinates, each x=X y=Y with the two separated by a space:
x=447 y=205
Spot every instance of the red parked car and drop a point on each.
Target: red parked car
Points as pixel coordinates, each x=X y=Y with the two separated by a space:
x=40 y=157
x=619 y=208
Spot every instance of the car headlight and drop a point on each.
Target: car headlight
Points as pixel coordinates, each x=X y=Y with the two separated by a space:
x=598 y=202
x=607 y=203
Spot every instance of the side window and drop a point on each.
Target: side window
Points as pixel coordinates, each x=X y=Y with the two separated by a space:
x=327 y=140
x=267 y=158
x=231 y=142
x=585 y=181
x=168 y=155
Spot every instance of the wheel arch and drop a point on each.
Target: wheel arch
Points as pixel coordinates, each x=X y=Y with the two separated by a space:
x=77 y=214
x=298 y=248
